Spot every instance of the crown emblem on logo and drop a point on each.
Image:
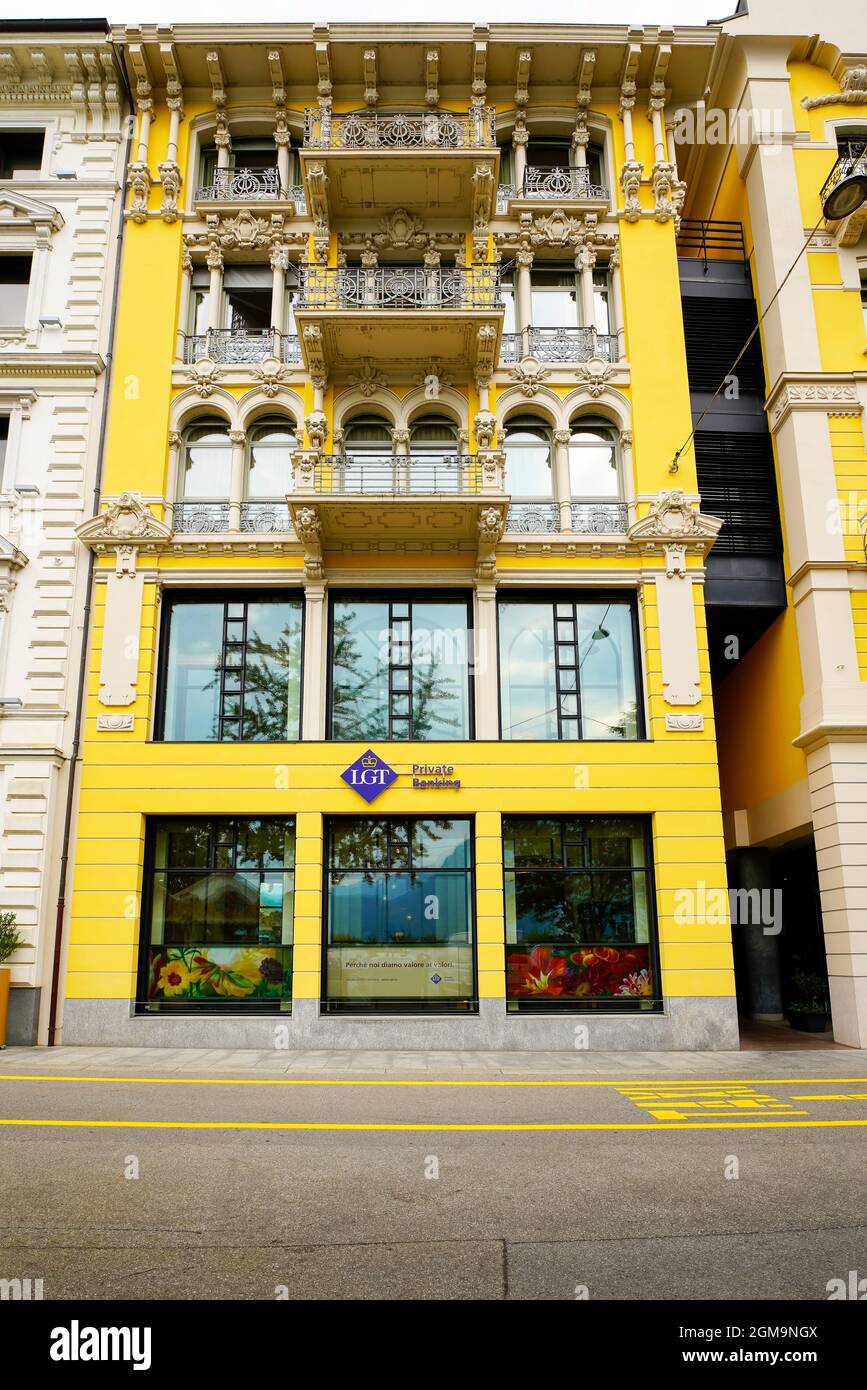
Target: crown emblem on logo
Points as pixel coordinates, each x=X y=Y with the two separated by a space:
x=368 y=760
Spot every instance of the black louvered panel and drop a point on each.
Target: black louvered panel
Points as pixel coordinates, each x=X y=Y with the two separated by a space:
x=716 y=330
x=737 y=483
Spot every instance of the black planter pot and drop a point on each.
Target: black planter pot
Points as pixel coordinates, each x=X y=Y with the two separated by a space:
x=809 y=1023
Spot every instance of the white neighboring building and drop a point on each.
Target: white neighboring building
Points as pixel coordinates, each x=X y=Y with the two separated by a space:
x=63 y=141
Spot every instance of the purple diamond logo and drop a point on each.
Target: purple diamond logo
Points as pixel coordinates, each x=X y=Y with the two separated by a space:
x=436 y=979
x=369 y=775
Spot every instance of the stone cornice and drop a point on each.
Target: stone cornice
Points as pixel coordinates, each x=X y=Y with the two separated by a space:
x=824 y=391
x=43 y=364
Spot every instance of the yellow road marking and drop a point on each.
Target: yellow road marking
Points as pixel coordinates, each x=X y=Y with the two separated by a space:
x=656 y=1086
x=862 y=1096
x=421 y=1125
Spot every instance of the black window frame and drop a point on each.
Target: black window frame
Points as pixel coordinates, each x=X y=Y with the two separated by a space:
x=575 y=596
x=589 y=1004
x=145 y=1006
x=401 y=598
x=374 y=1007
x=170 y=598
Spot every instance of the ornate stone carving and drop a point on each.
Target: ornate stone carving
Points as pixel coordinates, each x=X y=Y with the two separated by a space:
x=270 y=375
x=485 y=427
x=127 y=518
x=594 y=375
x=684 y=723
x=203 y=376
x=630 y=183
x=557 y=228
x=311 y=337
x=400 y=230
x=316 y=425
x=115 y=723
x=853 y=90
x=367 y=377
x=138 y=179
x=811 y=395
x=671 y=518
x=170 y=178
x=663 y=178
x=528 y=375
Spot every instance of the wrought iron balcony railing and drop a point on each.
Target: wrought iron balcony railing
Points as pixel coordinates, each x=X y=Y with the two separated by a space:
x=851 y=159
x=265 y=516
x=243 y=186
x=505 y=193
x=402 y=475
x=588 y=518
x=400 y=287
x=239 y=347
x=406 y=130
x=203 y=518
x=559 y=345
x=562 y=183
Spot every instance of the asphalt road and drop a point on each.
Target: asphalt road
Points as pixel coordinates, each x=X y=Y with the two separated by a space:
x=254 y=1187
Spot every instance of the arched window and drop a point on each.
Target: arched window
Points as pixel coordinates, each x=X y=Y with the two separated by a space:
x=204 y=477
x=528 y=458
x=433 y=445
x=367 y=455
x=269 y=474
x=207 y=462
x=593 y=472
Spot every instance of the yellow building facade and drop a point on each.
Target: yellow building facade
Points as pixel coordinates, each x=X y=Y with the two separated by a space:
x=400 y=727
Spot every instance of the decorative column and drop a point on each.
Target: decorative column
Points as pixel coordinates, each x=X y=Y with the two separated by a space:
x=562 y=477
x=173 y=482
x=523 y=293
x=238 y=441
x=485 y=658
x=315 y=663
x=282 y=139
x=184 y=306
x=630 y=174
x=627 y=480
x=617 y=304
x=169 y=170
x=400 y=445
x=580 y=141
x=223 y=140
x=215 y=289
x=520 y=137
x=585 y=260
x=279 y=266
x=138 y=173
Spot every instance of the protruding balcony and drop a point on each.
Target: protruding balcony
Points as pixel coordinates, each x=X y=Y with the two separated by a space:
x=588 y=518
x=390 y=316
x=374 y=162
x=363 y=501
x=241 y=347
x=555 y=187
x=851 y=160
x=559 y=345
x=232 y=188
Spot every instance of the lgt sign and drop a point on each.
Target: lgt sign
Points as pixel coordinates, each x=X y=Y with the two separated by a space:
x=369 y=775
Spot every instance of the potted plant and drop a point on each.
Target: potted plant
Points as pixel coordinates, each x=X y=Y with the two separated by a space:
x=808 y=1006
x=10 y=940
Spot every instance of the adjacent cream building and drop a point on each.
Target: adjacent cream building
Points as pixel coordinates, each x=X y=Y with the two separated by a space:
x=63 y=136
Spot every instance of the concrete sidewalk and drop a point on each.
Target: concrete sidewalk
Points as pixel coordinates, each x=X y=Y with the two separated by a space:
x=157 y=1061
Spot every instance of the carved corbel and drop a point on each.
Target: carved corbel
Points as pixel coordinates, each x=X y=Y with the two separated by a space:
x=138 y=180
x=308 y=529
x=431 y=72
x=371 y=95
x=630 y=183
x=170 y=178
x=491 y=525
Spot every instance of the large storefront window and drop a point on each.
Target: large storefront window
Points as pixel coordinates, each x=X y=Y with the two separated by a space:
x=400 y=914
x=217 y=928
x=400 y=667
x=230 y=668
x=580 y=928
x=568 y=668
